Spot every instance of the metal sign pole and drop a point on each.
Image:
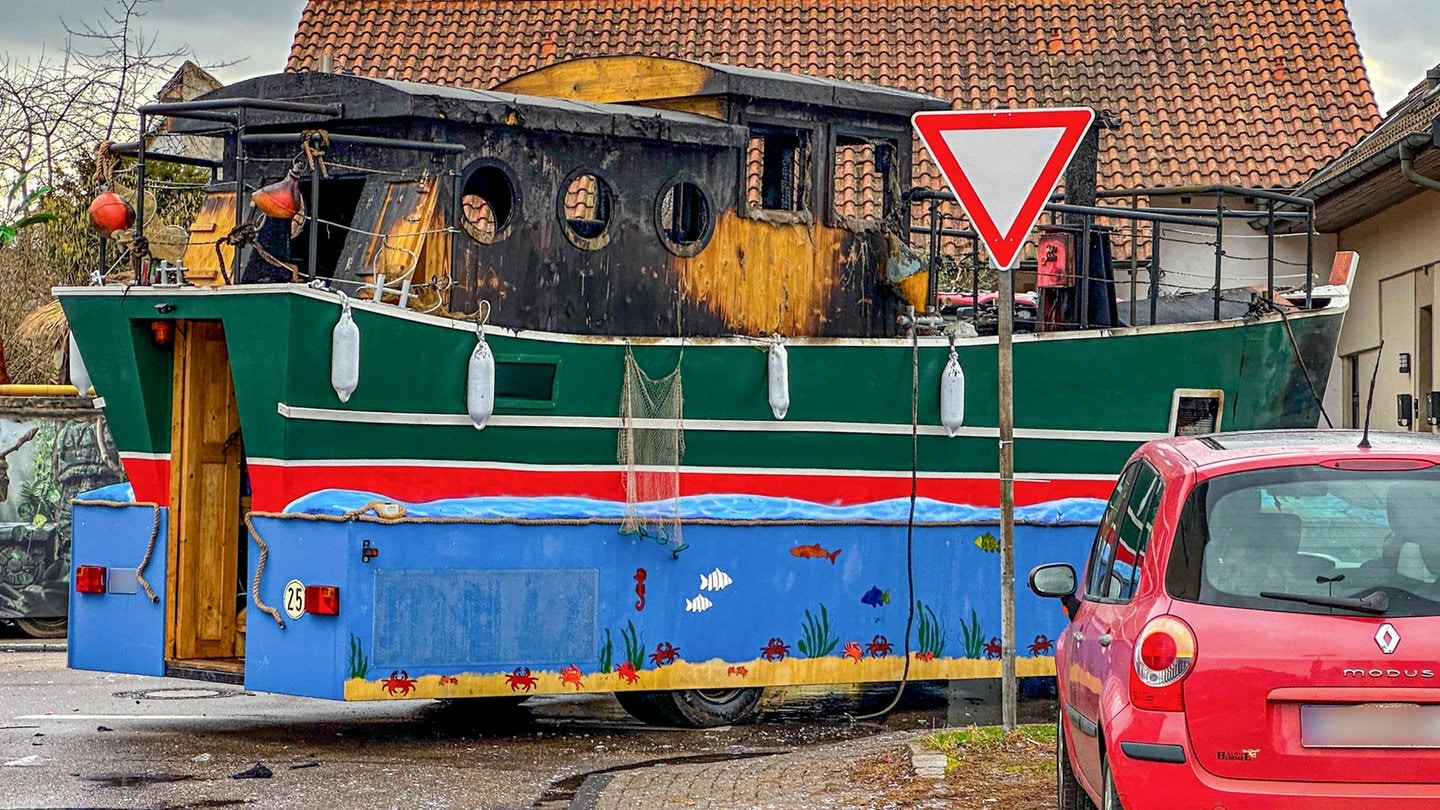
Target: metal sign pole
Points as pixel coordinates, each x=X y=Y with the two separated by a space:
x=1007 y=500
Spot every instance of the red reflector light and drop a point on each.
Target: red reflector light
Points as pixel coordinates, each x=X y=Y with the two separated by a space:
x=1158 y=651
x=90 y=579
x=1377 y=464
x=322 y=600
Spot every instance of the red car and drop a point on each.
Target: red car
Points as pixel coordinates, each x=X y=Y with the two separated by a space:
x=1258 y=626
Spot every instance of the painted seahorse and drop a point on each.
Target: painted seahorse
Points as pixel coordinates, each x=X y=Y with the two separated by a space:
x=640 y=588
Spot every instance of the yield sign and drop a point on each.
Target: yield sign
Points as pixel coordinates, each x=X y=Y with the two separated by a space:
x=1003 y=166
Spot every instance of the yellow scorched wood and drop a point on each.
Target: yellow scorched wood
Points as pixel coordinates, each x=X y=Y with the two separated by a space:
x=759 y=275
x=216 y=218
x=405 y=219
x=619 y=80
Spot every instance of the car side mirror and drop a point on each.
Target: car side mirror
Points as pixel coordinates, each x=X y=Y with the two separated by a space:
x=1056 y=581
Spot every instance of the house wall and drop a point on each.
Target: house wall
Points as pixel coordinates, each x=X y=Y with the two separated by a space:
x=1393 y=298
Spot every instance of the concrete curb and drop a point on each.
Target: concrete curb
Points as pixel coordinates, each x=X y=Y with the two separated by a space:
x=33 y=646
x=926 y=761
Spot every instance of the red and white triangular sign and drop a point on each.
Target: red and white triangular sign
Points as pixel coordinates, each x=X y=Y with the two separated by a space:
x=1003 y=165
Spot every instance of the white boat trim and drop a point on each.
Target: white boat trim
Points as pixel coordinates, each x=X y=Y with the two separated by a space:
x=1337 y=305
x=430 y=463
x=704 y=425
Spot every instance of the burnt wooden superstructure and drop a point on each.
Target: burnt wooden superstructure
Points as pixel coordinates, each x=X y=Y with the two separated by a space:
x=610 y=196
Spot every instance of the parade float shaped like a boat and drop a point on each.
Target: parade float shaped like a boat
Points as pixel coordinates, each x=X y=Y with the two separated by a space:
x=622 y=376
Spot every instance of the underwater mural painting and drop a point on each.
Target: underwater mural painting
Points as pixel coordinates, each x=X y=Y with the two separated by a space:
x=51 y=449
x=544 y=605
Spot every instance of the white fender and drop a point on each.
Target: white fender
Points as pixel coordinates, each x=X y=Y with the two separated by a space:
x=779 y=367
x=952 y=395
x=480 y=384
x=78 y=373
x=345 y=355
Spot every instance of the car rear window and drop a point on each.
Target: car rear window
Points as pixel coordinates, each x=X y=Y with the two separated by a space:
x=1311 y=531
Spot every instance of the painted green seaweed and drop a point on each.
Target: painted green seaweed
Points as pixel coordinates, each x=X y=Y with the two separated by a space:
x=971 y=637
x=817 y=637
x=607 y=652
x=634 y=645
x=358 y=664
x=930 y=640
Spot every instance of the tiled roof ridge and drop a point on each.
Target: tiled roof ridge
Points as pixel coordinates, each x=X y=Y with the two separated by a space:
x=1193 y=79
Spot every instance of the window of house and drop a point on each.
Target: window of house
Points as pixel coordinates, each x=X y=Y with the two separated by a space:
x=777 y=169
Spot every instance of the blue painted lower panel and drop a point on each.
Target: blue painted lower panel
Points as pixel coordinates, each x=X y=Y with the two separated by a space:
x=464 y=608
x=119 y=632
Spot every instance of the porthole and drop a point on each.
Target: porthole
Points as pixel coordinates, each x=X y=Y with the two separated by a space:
x=586 y=205
x=488 y=202
x=683 y=219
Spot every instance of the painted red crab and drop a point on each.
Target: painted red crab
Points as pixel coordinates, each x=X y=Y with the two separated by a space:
x=775 y=650
x=879 y=647
x=1042 y=645
x=399 y=683
x=627 y=672
x=521 y=679
x=448 y=680
x=570 y=675
x=925 y=656
x=853 y=651
x=739 y=670
x=664 y=654
x=993 y=649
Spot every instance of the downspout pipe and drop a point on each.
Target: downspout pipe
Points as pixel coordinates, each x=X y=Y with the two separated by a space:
x=1407 y=168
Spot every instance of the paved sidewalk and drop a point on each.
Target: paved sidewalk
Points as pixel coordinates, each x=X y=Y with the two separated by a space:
x=809 y=778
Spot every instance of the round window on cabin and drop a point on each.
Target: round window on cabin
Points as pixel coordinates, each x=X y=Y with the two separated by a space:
x=682 y=217
x=586 y=204
x=487 y=200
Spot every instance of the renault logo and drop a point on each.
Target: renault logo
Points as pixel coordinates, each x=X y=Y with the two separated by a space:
x=1387 y=637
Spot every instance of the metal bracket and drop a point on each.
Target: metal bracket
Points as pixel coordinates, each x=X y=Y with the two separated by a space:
x=368 y=552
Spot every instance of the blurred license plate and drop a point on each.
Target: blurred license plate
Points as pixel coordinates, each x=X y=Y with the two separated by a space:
x=1374 y=725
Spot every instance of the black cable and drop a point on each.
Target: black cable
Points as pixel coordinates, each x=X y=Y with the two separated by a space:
x=909 y=525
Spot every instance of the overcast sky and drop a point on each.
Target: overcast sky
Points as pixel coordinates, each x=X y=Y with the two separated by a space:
x=1399 y=38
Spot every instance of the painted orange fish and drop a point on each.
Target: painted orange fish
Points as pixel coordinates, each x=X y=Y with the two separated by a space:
x=852 y=650
x=739 y=670
x=815 y=552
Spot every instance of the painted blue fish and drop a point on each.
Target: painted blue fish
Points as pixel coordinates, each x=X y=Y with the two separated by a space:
x=875 y=597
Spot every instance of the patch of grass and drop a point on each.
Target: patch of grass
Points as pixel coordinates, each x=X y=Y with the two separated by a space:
x=983 y=736
x=818 y=639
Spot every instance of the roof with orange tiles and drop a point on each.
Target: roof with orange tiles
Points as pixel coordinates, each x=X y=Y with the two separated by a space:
x=1257 y=93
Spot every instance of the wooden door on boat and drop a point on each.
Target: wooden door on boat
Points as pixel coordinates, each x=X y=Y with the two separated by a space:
x=205 y=502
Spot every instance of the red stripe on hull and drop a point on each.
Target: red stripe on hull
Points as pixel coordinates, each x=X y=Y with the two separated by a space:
x=275 y=486
x=149 y=477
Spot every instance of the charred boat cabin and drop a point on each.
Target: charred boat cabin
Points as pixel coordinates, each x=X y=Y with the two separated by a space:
x=614 y=196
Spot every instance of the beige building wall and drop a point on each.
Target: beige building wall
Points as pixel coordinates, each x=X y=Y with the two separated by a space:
x=1393 y=300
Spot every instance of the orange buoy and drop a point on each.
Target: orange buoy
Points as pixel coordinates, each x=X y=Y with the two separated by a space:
x=281 y=199
x=110 y=213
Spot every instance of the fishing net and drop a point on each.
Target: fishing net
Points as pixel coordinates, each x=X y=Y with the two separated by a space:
x=650 y=444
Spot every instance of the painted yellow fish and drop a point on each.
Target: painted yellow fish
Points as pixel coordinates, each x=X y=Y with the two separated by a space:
x=987 y=543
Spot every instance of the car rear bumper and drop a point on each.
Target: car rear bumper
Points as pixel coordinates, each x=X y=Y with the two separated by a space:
x=1149 y=747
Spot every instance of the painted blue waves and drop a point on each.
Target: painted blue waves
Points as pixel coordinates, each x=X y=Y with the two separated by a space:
x=1067 y=511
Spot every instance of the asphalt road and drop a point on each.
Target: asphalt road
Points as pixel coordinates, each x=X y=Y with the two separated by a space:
x=84 y=739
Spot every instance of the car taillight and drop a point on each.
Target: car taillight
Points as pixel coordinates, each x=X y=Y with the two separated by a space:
x=90 y=579
x=322 y=600
x=1164 y=653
